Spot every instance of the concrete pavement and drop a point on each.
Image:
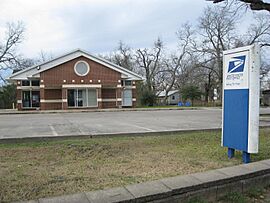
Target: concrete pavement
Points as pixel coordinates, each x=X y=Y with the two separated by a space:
x=119 y=122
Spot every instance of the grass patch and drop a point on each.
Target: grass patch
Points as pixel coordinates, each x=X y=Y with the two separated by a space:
x=197 y=200
x=234 y=197
x=42 y=169
x=260 y=195
x=255 y=192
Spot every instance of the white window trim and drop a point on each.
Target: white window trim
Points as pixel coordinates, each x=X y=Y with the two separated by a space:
x=88 y=67
x=70 y=86
x=51 y=101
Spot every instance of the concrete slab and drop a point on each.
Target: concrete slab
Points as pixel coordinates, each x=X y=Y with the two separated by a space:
x=235 y=171
x=95 y=123
x=101 y=123
x=153 y=189
x=209 y=177
x=266 y=162
x=256 y=167
x=81 y=198
x=181 y=184
x=119 y=194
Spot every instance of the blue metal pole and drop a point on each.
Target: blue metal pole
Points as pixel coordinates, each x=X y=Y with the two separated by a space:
x=231 y=153
x=246 y=157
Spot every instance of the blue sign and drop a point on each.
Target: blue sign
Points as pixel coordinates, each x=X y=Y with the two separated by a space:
x=241 y=100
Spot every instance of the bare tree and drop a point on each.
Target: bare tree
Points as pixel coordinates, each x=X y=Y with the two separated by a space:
x=178 y=64
x=259 y=30
x=149 y=61
x=253 y=4
x=123 y=56
x=216 y=34
x=9 y=59
x=43 y=57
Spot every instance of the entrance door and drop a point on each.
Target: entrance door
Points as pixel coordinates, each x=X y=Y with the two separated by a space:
x=30 y=99
x=26 y=99
x=35 y=98
x=127 y=97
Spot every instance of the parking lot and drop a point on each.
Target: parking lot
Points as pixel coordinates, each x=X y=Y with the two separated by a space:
x=94 y=123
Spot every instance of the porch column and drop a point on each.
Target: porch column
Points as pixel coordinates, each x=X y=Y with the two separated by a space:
x=64 y=99
x=134 y=94
x=42 y=98
x=99 y=98
x=119 y=96
x=19 y=96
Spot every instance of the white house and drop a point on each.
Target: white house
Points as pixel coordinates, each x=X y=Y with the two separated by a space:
x=173 y=97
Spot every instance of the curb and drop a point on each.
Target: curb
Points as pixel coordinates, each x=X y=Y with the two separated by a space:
x=98 y=110
x=209 y=185
x=109 y=135
x=89 y=136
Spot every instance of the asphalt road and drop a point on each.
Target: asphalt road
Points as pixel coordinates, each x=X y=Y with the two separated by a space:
x=93 y=123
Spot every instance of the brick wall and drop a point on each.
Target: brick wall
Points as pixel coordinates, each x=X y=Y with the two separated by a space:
x=53 y=94
x=106 y=105
x=51 y=106
x=108 y=93
x=65 y=71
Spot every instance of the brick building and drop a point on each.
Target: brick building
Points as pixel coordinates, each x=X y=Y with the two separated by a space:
x=75 y=80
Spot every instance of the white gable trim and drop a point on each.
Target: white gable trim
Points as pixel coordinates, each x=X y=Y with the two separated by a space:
x=36 y=70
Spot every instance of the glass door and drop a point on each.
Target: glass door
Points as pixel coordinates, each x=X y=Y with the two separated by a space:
x=35 y=98
x=30 y=99
x=77 y=98
x=26 y=101
x=71 y=98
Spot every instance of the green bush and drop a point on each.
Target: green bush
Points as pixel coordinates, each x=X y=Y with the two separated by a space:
x=7 y=96
x=148 y=98
x=191 y=92
x=145 y=96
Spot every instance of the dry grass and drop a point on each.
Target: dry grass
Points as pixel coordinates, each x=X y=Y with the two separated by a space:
x=35 y=170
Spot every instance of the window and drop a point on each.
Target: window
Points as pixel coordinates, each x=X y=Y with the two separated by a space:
x=127 y=82
x=81 y=68
x=30 y=82
x=92 y=97
x=173 y=97
x=26 y=83
x=35 y=82
x=82 y=98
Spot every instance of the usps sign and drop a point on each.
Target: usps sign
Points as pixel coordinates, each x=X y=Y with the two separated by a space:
x=241 y=85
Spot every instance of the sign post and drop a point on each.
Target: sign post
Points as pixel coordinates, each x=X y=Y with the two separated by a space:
x=241 y=87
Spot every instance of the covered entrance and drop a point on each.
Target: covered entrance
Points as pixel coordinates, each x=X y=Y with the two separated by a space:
x=30 y=99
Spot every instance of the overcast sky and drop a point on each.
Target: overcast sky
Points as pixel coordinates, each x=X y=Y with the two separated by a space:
x=58 y=26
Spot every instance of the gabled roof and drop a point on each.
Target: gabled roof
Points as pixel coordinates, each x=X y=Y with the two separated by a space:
x=162 y=94
x=34 y=71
